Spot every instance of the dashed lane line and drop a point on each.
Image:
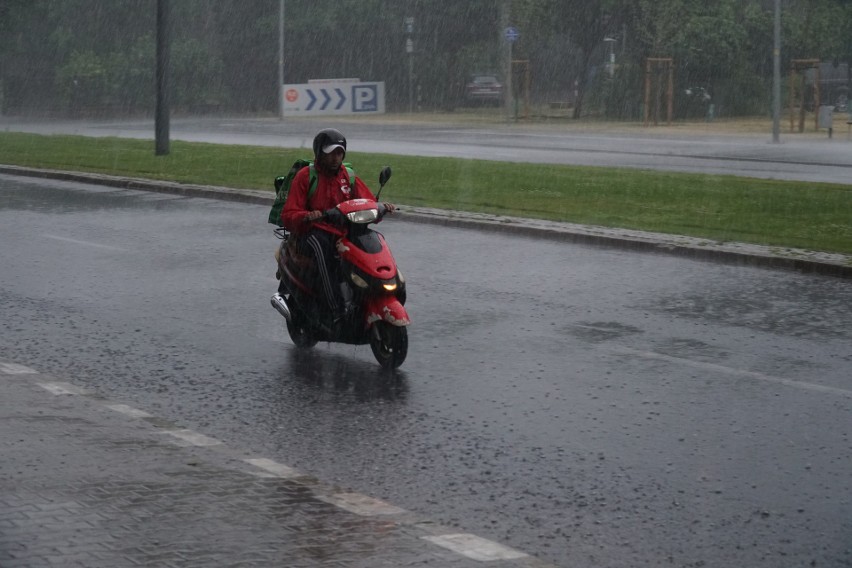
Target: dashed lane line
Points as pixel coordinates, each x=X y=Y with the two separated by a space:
x=361 y=504
x=476 y=548
x=275 y=468
x=14 y=369
x=189 y=437
x=803 y=385
x=62 y=388
x=84 y=243
x=467 y=545
x=128 y=411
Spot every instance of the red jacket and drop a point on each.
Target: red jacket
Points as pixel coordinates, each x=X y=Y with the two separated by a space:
x=330 y=191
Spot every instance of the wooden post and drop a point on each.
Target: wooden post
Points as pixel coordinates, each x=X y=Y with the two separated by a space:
x=654 y=64
x=671 y=93
x=797 y=95
x=817 y=100
x=792 y=93
x=647 y=90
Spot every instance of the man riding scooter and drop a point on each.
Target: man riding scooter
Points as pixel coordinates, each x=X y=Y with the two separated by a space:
x=303 y=211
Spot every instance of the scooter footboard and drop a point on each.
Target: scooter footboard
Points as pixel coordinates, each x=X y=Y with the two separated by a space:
x=386 y=308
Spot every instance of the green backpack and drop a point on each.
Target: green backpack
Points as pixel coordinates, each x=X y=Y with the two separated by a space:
x=282 y=186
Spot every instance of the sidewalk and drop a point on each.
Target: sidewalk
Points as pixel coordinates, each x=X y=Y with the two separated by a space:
x=89 y=482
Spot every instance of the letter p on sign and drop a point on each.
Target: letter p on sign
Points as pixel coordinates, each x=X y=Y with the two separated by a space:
x=365 y=98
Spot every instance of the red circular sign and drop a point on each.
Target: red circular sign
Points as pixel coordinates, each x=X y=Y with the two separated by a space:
x=292 y=95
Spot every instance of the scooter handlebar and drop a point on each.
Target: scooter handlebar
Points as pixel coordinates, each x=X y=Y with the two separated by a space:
x=333 y=216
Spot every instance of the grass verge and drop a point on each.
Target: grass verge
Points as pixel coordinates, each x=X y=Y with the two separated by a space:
x=719 y=208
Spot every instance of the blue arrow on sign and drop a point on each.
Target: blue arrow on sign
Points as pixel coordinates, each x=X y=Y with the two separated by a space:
x=342 y=98
x=312 y=101
x=327 y=99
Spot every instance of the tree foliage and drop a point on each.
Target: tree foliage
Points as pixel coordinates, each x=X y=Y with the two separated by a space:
x=89 y=56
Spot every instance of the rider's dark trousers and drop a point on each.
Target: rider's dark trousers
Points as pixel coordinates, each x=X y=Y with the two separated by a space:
x=319 y=245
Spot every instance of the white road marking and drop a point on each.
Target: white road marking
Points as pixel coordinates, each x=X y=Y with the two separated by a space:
x=61 y=388
x=86 y=243
x=468 y=545
x=475 y=547
x=732 y=371
x=128 y=410
x=280 y=470
x=361 y=504
x=193 y=438
x=15 y=369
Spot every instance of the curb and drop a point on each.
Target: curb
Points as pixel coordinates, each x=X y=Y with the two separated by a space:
x=828 y=264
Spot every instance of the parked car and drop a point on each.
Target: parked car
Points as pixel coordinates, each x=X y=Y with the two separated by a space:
x=484 y=89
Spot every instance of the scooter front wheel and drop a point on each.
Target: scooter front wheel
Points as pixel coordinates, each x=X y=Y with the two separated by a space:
x=389 y=344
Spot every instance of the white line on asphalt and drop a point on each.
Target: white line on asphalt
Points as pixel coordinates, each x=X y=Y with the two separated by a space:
x=128 y=410
x=193 y=438
x=732 y=371
x=86 y=243
x=468 y=545
x=15 y=369
x=475 y=547
x=61 y=388
x=280 y=470
x=361 y=504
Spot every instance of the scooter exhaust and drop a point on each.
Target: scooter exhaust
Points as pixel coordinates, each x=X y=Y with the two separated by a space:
x=280 y=305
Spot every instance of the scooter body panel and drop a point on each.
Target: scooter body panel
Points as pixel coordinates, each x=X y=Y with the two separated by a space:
x=386 y=308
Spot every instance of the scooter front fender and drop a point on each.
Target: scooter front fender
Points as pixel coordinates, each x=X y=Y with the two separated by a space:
x=386 y=308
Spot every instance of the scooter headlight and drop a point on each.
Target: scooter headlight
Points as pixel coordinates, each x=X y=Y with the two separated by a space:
x=390 y=286
x=365 y=216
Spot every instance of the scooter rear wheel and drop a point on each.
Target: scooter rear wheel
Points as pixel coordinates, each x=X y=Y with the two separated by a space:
x=301 y=335
x=389 y=344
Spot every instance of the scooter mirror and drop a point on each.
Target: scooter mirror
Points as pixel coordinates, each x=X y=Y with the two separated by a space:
x=384 y=175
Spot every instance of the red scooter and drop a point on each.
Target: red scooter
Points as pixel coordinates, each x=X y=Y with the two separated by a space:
x=372 y=286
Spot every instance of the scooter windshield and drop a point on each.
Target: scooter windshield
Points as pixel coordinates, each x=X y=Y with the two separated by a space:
x=368 y=242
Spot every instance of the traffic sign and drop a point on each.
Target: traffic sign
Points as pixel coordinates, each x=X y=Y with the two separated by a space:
x=511 y=34
x=334 y=97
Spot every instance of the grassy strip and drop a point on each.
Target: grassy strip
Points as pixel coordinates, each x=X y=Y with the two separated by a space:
x=719 y=208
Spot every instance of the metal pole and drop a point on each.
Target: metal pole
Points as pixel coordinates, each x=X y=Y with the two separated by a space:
x=509 y=87
x=161 y=119
x=776 y=77
x=507 y=47
x=410 y=82
x=281 y=59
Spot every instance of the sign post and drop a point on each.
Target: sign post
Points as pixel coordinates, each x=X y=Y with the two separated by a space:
x=409 y=49
x=510 y=35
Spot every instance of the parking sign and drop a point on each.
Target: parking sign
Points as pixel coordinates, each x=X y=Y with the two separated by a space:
x=334 y=97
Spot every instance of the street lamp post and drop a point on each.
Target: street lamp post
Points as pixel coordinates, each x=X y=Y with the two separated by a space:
x=776 y=77
x=281 y=59
x=161 y=118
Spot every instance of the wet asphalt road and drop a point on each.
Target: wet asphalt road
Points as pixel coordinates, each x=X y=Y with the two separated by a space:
x=591 y=406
